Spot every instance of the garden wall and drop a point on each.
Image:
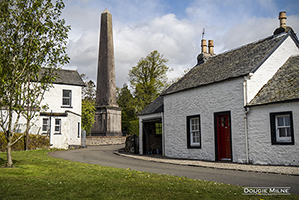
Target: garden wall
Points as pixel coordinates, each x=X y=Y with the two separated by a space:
x=105 y=140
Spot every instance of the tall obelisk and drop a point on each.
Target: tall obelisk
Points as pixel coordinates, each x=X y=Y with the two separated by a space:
x=108 y=114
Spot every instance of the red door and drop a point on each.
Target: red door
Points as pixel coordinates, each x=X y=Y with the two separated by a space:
x=223 y=137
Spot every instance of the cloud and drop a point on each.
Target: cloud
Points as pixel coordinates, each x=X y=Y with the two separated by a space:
x=143 y=26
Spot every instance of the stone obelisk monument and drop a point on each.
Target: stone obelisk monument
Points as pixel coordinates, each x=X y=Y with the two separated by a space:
x=108 y=114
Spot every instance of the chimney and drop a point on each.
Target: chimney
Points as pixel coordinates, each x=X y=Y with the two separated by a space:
x=204 y=55
x=203 y=46
x=283 y=28
x=211 y=47
x=282 y=18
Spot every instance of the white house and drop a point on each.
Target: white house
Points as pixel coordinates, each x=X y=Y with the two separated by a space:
x=62 y=120
x=239 y=106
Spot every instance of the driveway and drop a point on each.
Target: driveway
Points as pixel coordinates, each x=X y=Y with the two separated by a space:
x=103 y=155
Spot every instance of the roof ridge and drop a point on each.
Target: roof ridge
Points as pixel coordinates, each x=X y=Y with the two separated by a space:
x=250 y=43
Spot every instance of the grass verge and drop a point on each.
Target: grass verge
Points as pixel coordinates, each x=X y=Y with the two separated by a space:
x=39 y=176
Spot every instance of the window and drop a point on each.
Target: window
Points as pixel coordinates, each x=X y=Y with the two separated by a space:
x=282 y=128
x=158 y=127
x=67 y=98
x=193 y=132
x=45 y=126
x=57 y=126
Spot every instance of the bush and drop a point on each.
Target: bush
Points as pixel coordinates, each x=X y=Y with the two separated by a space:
x=134 y=127
x=35 y=142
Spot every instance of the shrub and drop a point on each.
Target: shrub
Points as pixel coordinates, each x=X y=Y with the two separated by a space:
x=134 y=127
x=35 y=142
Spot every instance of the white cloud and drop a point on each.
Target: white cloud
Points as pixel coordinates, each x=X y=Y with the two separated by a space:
x=141 y=27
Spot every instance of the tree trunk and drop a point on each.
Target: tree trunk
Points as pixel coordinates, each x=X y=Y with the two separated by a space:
x=9 y=159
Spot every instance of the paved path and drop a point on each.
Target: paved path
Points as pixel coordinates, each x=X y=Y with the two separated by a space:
x=105 y=155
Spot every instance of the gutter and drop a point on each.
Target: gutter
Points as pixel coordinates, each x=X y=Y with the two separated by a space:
x=246 y=111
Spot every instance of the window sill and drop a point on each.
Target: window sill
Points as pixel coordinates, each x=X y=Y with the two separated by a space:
x=194 y=147
x=283 y=143
x=66 y=106
x=57 y=134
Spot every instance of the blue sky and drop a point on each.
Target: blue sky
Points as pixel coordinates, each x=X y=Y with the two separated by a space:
x=173 y=27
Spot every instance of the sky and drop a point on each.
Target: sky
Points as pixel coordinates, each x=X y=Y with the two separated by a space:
x=173 y=27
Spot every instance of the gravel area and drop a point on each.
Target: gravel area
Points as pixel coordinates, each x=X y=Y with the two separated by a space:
x=289 y=170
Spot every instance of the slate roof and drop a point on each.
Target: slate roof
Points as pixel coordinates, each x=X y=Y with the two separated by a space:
x=156 y=106
x=232 y=64
x=283 y=86
x=235 y=63
x=69 y=77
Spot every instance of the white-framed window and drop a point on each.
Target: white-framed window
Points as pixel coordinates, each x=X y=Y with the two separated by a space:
x=57 y=129
x=46 y=126
x=282 y=128
x=67 y=98
x=193 y=131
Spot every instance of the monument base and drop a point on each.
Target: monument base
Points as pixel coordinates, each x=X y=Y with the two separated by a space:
x=107 y=122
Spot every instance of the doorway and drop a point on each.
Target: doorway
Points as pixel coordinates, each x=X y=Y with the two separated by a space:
x=223 y=136
x=152 y=136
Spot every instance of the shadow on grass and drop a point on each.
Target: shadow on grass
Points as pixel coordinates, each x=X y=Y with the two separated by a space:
x=2 y=162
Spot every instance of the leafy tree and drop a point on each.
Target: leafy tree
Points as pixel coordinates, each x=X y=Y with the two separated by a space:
x=32 y=45
x=89 y=91
x=88 y=113
x=88 y=104
x=125 y=100
x=148 y=79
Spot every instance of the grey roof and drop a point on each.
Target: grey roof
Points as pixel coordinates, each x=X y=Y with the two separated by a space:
x=156 y=106
x=283 y=86
x=232 y=64
x=69 y=77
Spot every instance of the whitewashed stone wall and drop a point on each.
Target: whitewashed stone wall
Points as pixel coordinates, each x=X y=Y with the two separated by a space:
x=204 y=101
x=53 y=98
x=261 y=151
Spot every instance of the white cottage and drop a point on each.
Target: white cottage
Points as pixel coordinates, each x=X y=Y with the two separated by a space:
x=239 y=106
x=62 y=120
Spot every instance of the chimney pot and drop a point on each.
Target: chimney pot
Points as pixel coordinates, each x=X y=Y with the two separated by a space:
x=282 y=18
x=211 y=47
x=203 y=46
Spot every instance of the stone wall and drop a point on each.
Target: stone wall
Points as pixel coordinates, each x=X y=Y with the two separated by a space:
x=105 y=140
x=261 y=149
x=204 y=101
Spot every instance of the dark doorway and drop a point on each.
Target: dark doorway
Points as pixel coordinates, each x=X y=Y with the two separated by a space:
x=223 y=136
x=152 y=136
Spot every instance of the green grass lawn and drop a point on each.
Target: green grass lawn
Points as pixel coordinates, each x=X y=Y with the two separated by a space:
x=39 y=176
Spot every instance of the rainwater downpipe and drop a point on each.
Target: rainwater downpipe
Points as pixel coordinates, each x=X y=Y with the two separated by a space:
x=246 y=110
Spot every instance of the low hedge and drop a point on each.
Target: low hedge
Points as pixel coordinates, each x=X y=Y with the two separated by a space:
x=35 y=142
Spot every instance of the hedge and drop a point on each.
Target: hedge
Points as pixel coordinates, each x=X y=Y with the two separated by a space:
x=35 y=142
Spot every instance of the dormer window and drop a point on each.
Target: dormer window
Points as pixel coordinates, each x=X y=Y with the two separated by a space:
x=67 y=98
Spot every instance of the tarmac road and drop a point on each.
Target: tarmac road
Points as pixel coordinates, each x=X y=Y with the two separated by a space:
x=103 y=155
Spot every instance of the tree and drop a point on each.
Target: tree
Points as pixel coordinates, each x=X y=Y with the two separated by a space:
x=148 y=79
x=88 y=104
x=88 y=113
x=89 y=91
x=32 y=47
x=125 y=100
